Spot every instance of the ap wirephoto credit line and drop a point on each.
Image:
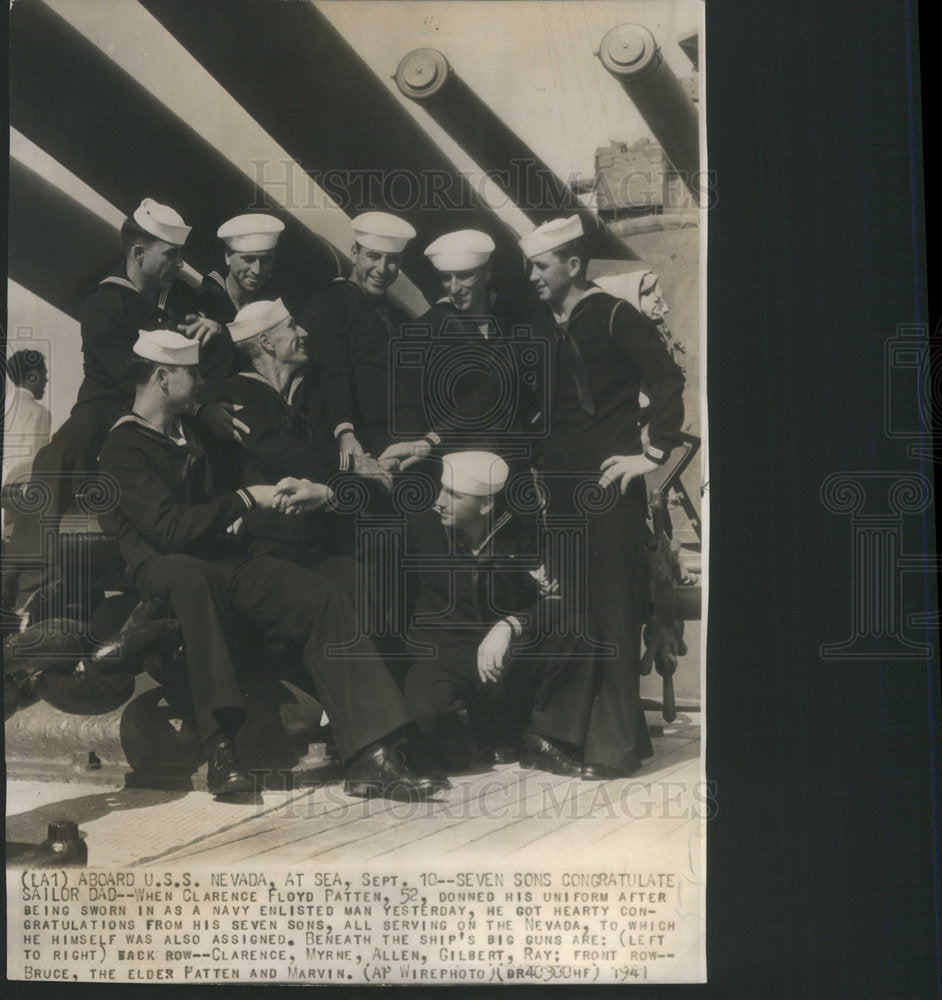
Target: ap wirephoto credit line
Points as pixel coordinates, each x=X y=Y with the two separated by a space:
x=355 y=537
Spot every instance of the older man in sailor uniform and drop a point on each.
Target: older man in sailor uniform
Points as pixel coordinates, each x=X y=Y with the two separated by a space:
x=487 y=625
x=179 y=540
x=272 y=397
x=353 y=321
x=605 y=351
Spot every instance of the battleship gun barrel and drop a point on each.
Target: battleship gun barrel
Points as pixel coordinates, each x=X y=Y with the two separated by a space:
x=426 y=77
x=631 y=54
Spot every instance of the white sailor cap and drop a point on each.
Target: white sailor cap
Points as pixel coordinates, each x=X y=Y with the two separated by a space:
x=477 y=473
x=551 y=235
x=252 y=233
x=382 y=231
x=461 y=251
x=161 y=221
x=167 y=347
x=256 y=318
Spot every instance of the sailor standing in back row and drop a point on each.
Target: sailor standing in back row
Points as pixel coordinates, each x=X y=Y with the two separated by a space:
x=353 y=321
x=472 y=379
x=251 y=243
x=605 y=351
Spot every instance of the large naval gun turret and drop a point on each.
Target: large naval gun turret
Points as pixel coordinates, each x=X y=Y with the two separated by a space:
x=426 y=77
x=631 y=54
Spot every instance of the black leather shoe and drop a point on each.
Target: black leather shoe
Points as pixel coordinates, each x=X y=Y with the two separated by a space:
x=602 y=772
x=224 y=776
x=503 y=754
x=383 y=771
x=544 y=755
x=419 y=760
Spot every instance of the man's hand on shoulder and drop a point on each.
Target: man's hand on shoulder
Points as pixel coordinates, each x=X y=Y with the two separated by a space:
x=196 y=326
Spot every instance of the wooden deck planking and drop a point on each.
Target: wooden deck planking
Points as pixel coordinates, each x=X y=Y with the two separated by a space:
x=333 y=823
x=573 y=817
x=280 y=829
x=233 y=834
x=417 y=817
x=502 y=811
x=517 y=832
x=461 y=833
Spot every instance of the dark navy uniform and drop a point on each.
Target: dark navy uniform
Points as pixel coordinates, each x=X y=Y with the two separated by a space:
x=351 y=335
x=456 y=596
x=482 y=383
x=282 y=441
x=604 y=354
x=214 y=299
x=110 y=320
x=172 y=531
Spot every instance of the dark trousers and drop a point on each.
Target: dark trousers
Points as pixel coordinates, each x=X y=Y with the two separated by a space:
x=544 y=689
x=72 y=455
x=604 y=695
x=289 y=604
x=618 y=731
x=434 y=686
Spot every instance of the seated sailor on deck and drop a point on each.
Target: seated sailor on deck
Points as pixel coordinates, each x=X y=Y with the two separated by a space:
x=180 y=542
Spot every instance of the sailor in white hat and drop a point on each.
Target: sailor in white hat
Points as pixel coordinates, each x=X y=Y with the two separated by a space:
x=167 y=347
x=271 y=395
x=558 y=275
x=153 y=239
x=266 y=327
x=470 y=482
x=493 y=592
x=161 y=221
x=462 y=260
x=251 y=242
x=354 y=321
x=175 y=533
x=254 y=232
x=142 y=292
x=379 y=240
x=484 y=411
x=164 y=367
x=607 y=350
